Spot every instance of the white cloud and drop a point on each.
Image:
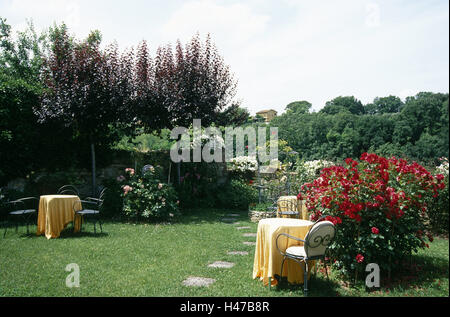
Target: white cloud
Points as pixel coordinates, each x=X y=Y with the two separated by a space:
x=373 y=18
x=230 y=24
x=50 y=11
x=407 y=93
x=280 y=51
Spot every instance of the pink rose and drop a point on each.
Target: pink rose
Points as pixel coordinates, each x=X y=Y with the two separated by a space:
x=127 y=189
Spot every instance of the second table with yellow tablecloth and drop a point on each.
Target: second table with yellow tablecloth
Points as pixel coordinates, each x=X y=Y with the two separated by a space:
x=267 y=261
x=55 y=212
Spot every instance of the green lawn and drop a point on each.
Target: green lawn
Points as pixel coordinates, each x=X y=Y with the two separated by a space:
x=154 y=259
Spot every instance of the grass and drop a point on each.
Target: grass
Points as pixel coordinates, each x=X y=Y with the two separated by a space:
x=153 y=260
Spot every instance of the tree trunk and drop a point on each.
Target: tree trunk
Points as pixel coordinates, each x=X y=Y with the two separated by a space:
x=94 y=186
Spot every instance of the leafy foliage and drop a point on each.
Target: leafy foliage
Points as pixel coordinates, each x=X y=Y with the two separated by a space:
x=237 y=194
x=416 y=129
x=80 y=82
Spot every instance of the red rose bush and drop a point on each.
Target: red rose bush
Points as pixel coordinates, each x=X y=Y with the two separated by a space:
x=379 y=207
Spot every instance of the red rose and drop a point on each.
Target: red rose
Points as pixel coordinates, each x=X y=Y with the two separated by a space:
x=359 y=258
x=375 y=230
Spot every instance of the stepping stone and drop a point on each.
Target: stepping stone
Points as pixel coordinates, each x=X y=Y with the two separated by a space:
x=237 y=253
x=221 y=264
x=249 y=235
x=233 y=215
x=228 y=219
x=240 y=228
x=198 y=281
x=249 y=243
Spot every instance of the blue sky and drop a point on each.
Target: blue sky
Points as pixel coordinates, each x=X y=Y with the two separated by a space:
x=279 y=50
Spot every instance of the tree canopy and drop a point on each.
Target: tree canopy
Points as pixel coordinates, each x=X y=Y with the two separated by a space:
x=416 y=128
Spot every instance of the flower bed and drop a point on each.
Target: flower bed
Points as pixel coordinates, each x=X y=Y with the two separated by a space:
x=379 y=206
x=146 y=197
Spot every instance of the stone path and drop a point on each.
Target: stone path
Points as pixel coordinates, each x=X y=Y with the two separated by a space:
x=198 y=281
x=221 y=264
x=237 y=253
x=228 y=219
x=204 y=281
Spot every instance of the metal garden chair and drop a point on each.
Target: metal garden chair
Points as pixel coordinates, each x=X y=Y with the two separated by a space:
x=23 y=208
x=315 y=244
x=68 y=190
x=287 y=207
x=93 y=211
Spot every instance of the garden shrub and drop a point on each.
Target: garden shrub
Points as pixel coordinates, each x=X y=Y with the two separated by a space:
x=242 y=167
x=199 y=185
x=438 y=210
x=238 y=195
x=146 y=197
x=379 y=207
x=48 y=182
x=112 y=206
x=309 y=170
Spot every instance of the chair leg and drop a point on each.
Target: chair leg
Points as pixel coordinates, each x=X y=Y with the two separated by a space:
x=305 y=278
x=316 y=264
x=281 y=273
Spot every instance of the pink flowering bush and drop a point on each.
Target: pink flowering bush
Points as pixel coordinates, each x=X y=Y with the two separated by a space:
x=147 y=197
x=379 y=207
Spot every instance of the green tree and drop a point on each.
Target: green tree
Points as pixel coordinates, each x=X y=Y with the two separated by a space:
x=341 y=104
x=298 y=107
x=233 y=115
x=420 y=112
x=380 y=105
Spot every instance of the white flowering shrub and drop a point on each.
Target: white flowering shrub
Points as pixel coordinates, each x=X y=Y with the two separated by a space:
x=243 y=168
x=438 y=208
x=243 y=164
x=310 y=169
x=443 y=168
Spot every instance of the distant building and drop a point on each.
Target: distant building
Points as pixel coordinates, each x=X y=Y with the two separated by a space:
x=267 y=114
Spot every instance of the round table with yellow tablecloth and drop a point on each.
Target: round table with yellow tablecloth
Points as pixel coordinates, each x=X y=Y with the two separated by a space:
x=267 y=262
x=55 y=212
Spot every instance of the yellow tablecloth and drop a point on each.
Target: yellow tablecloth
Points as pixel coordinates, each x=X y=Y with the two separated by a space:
x=55 y=212
x=267 y=262
x=284 y=204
